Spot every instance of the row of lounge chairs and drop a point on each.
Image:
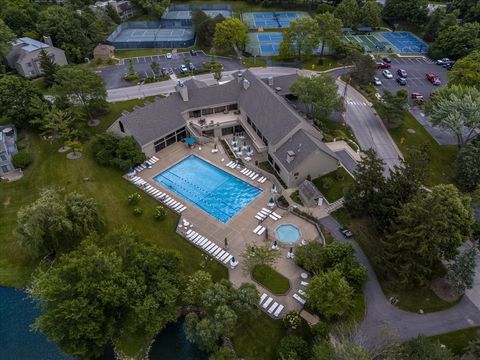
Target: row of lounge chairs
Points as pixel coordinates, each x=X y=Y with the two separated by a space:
x=209 y=247
x=173 y=204
x=264 y=213
x=253 y=175
x=232 y=164
x=259 y=230
x=146 y=164
x=266 y=303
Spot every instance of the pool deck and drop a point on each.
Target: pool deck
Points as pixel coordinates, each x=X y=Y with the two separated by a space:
x=239 y=229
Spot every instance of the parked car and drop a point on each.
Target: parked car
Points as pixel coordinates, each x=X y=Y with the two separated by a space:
x=183 y=68
x=416 y=95
x=449 y=65
x=383 y=65
x=387 y=60
x=376 y=81
x=433 y=79
x=443 y=61
x=347 y=233
x=168 y=56
x=402 y=81
x=164 y=71
x=193 y=52
x=402 y=73
x=387 y=74
x=191 y=66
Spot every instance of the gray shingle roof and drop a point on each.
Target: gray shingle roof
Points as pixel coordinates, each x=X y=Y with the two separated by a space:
x=303 y=144
x=309 y=190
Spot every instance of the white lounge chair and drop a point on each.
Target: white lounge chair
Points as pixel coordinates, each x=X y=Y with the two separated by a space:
x=227 y=259
x=189 y=231
x=210 y=246
x=230 y=163
x=260 y=179
x=258 y=217
x=214 y=248
x=262 y=230
x=278 y=311
x=304 y=283
x=299 y=299
x=301 y=292
x=206 y=244
x=182 y=209
x=266 y=303
x=203 y=241
x=220 y=254
x=265 y=179
x=273 y=307
x=262 y=298
x=257 y=229
x=216 y=252
x=275 y=214
x=256 y=175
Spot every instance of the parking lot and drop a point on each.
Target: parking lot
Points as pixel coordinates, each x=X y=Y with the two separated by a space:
x=113 y=76
x=416 y=69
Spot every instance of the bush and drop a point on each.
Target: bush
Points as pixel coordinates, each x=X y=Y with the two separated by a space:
x=22 y=159
x=293 y=348
x=321 y=330
x=123 y=153
x=292 y=320
x=134 y=198
x=160 y=213
x=137 y=211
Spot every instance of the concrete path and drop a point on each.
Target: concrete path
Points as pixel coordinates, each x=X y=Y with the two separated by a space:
x=381 y=313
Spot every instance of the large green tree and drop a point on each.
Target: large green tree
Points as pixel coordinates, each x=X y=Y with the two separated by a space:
x=205 y=27
x=18 y=19
x=300 y=38
x=392 y=107
x=364 y=69
x=371 y=14
x=122 y=153
x=230 y=33
x=19 y=101
x=414 y=11
x=6 y=38
x=153 y=8
x=49 y=68
x=422 y=348
x=456 y=41
x=348 y=11
x=319 y=93
x=461 y=273
x=77 y=85
x=329 y=294
x=466 y=71
x=454 y=109
x=467 y=166
x=329 y=30
x=429 y=228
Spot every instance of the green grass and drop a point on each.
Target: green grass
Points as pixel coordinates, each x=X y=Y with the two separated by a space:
x=457 y=341
x=337 y=181
x=271 y=279
x=440 y=167
x=357 y=312
x=295 y=196
x=410 y=299
x=107 y=187
x=317 y=64
x=254 y=62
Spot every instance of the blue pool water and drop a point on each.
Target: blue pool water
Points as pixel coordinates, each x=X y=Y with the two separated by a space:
x=210 y=188
x=287 y=233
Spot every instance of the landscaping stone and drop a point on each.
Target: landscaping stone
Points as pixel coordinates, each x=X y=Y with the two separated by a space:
x=74 y=155
x=411 y=131
x=64 y=149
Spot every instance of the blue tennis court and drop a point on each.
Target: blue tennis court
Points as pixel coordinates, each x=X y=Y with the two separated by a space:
x=268 y=37
x=405 y=42
x=255 y=20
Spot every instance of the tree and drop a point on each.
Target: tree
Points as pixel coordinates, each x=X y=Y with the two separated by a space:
x=154 y=8
x=204 y=26
x=429 y=228
x=456 y=41
x=466 y=71
x=434 y=24
x=455 y=108
x=222 y=354
x=348 y=11
x=7 y=36
x=319 y=93
x=300 y=38
x=18 y=19
x=113 y=14
x=366 y=191
x=371 y=14
x=259 y=256
x=467 y=166
x=123 y=153
x=83 y=214
x=364 y=69
x=230 y=33
x=293 y=348
x=329 y=30
x=48 y=67
x=391 y=108
x=461 y=273
x=79 y=85
x=422 y=348
x=329 y=294
x=18 y=101
x=58 y=123
x=414 y=11
x=155 y=68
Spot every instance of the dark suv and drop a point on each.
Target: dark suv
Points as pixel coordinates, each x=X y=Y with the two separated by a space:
x=402 y=73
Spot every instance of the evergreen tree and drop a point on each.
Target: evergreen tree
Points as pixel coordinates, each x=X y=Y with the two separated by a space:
x=462 y=272
x=49 y=68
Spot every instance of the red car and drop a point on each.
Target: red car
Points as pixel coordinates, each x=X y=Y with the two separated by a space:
x=416 y=95
x=433 y=79
x=383 y=65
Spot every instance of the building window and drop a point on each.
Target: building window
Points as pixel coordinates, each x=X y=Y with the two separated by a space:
x=270 y=160
x=219 y=109
x=207 y=111
x=227 y=131
x=277 y=168
x=122 y=129
x=232 y=107
x=4 y=168
x=195 y=114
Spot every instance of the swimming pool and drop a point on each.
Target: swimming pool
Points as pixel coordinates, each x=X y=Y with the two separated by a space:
x=217 y=192
x=288 y=233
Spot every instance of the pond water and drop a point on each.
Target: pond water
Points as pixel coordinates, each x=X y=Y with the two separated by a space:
x=17 y=341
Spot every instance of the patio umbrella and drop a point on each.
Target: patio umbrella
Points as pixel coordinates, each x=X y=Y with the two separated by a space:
x=250 y=151
x=234 y=140
x=215 y=147
x=190 y=140
x=274 y=188
x=271 y=202
x=244 y=147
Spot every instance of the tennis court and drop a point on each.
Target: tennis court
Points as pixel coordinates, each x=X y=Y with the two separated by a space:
x=264 y=44
x=398 y=42
x=255 y=20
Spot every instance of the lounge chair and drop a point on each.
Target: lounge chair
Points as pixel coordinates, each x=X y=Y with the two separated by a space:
x=259 y=218
x=216 y=252
x=260 y=179
x=266 y=303
x=206 y=244
x=262 y=298
x=220 y=254
x=299 y=299
x=273 y=307
x=265 y=179
x=256 y=175
x=182 y=209
x=257 y=229
x=262 y=230
x=224 y=256
x=275 y=214
x=278 y=311
x=214 y=248
x=227 y=259
x=301 y=292
x=210 y=247
x=304 y=283
x=230 y=163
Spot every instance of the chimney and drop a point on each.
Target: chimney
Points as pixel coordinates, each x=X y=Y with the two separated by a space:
x=290 y=156
x=182 y=90
x=48 y=40
x=270 y=81
x=246 y=84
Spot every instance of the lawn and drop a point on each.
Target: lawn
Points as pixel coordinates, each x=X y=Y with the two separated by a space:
x=317 y=64
x=254 y=62
x=271 y=279
x=410 y=299
x=440 y=168
x=458 y=340
x=333 y=184
x=295 y=196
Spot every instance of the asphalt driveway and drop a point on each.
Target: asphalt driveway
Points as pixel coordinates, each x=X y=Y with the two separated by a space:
x=113 y=76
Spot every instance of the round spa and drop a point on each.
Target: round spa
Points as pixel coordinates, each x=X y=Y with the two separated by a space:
x=288 y=233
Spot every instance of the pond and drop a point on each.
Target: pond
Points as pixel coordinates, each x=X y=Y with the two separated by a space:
x=17 y=341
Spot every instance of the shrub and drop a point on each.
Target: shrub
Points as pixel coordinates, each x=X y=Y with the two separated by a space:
x=160 y=213
x=321 y=330
x=22 y=159
x=134 y=198
x=137 y=211
x=293 y=348
x=122 y=153
x=292 y=320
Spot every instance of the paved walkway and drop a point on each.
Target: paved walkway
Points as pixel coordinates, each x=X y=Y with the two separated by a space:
x=381 y=313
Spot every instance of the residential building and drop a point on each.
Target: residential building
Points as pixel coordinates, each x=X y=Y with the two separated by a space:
x=8 y=148
x=292 y=146
x=124 y=8
x=25 y=56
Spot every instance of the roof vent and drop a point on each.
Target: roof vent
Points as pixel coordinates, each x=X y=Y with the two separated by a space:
x=182 y=90
x=246 y=84
x=278 y=89
x=48 y=40
x=290 y=156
